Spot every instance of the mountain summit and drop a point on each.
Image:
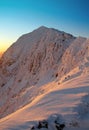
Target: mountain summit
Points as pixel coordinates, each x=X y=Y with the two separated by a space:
x=35 y=59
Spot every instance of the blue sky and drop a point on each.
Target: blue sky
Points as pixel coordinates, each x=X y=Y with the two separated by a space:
x=18 y=17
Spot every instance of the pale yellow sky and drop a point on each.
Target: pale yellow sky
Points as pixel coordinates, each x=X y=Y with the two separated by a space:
x=4 y=45
x=6 y=42
x=7 y=39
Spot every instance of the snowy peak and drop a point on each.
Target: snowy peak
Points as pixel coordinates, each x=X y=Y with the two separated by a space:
x=42 y=28
x=35 y=59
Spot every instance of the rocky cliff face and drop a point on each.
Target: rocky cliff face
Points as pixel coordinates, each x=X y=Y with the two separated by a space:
x=36 y=59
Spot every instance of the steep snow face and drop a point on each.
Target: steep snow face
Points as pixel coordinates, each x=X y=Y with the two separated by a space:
x=76 y=55
x=33 y=59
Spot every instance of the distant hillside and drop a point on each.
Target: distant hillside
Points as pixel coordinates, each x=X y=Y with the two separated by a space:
x=1 y=54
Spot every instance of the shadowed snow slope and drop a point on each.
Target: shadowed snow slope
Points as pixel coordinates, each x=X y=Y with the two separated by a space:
x=46 y=69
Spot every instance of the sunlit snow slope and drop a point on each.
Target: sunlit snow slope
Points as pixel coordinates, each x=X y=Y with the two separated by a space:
x=57 y=99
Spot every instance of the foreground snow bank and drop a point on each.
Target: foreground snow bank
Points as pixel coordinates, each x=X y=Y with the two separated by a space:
x=54 y=122
x=83 y=108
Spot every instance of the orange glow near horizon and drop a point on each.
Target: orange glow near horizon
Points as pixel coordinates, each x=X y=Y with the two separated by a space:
x=7 y=41
x=4 y=46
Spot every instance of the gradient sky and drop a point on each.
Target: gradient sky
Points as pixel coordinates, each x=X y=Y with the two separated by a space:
x=18 y=17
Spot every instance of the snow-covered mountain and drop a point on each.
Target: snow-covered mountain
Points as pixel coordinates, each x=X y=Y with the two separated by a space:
x=36 y=67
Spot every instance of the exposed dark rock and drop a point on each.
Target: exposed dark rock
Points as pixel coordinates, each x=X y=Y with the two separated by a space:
x=43 y=124
x=59 y=126
x=33 y=128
